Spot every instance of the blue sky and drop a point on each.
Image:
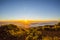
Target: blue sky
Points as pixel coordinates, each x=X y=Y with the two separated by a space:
x=29 y=9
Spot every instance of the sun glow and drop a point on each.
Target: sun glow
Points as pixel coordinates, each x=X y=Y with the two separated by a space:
x=25 y=23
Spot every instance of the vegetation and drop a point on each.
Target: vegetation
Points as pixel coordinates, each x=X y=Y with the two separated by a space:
x=12 y=32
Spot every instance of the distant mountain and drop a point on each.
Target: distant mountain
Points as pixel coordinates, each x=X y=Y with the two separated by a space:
x=31 y=24
x=5 y=23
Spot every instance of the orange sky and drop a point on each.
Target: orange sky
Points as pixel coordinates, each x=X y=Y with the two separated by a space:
x=27 y=22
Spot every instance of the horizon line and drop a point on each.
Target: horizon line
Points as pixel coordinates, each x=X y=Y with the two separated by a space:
x=27 y=20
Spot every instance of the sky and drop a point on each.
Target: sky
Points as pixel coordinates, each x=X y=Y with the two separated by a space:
x=29 y=9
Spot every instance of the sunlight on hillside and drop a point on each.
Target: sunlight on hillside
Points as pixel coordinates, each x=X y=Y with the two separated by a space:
x=46 y=32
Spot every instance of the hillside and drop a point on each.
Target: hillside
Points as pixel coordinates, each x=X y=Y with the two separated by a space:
x=13 y=32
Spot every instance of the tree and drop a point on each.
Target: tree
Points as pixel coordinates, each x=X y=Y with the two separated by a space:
x=5 y=32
